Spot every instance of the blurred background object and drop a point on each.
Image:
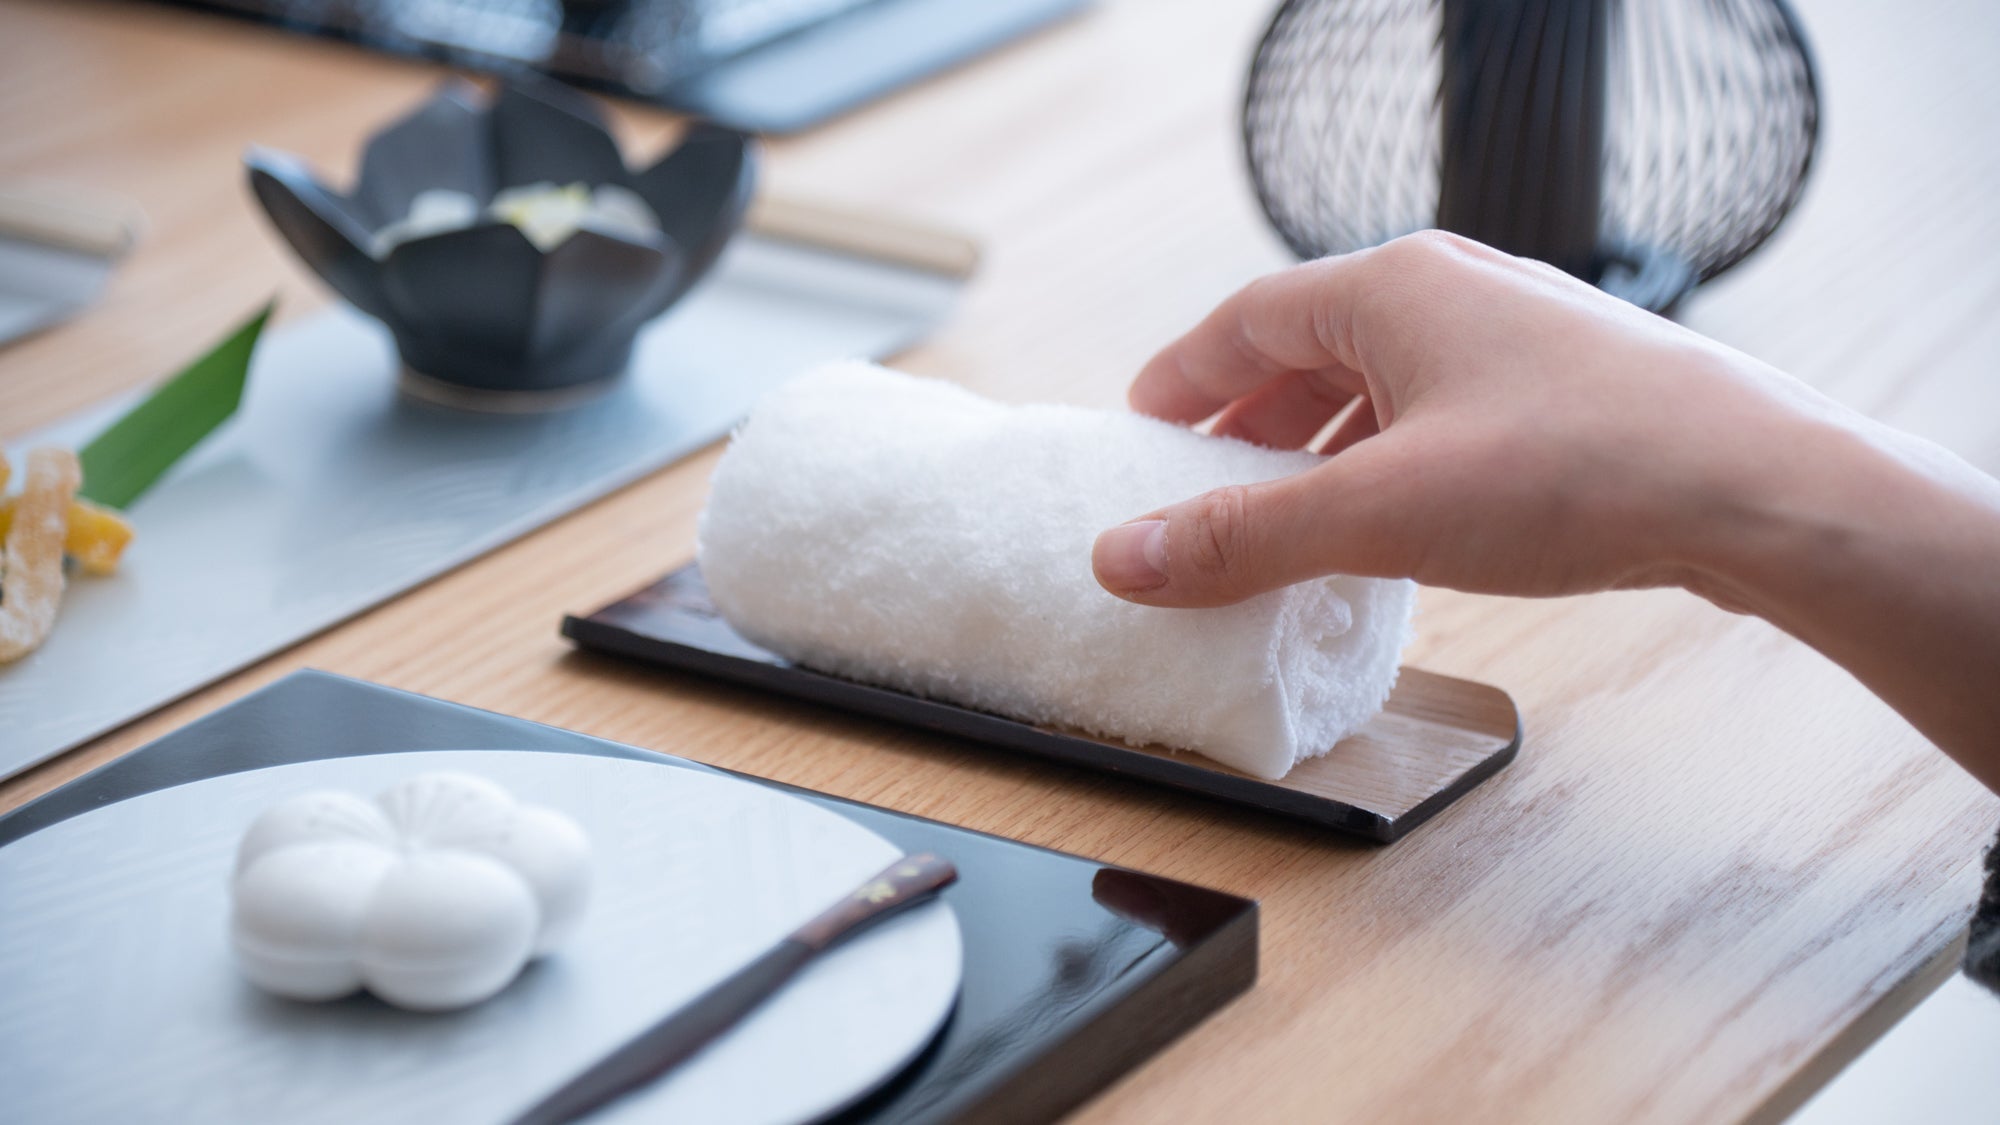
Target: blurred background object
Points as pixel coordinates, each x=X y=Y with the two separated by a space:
x=1935 y=1065
x=57 y=249
x=772 y=66
x=1642 y=145
x=520 y=312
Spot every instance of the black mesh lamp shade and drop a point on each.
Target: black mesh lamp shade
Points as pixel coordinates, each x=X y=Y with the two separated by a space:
x=1643 y=145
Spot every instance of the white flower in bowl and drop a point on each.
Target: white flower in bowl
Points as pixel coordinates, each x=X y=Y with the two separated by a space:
x=504 y=242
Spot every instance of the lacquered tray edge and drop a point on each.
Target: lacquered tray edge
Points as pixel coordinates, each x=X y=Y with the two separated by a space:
x=1220 y=966
x=1208 y=977
x=1177 y=773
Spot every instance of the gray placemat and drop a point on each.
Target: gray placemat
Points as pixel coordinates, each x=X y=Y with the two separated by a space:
x=329 y=492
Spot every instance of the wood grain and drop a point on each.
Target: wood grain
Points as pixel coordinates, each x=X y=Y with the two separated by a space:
x=1715 y=856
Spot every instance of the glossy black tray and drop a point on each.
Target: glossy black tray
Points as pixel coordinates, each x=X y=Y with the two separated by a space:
x=1436 y=738
x=1074 y=972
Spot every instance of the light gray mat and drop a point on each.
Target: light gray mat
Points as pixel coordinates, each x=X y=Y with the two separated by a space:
x=329 y=492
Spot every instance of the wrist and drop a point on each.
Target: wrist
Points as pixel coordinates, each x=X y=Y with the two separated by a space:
x=1806 y=505
x=1880 y=550
x=1824 y=515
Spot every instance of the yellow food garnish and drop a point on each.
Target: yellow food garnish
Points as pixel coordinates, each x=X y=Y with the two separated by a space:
x=31 y=574
x=96 y=535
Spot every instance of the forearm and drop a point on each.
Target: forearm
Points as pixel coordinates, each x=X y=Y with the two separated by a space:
x=1882 y=552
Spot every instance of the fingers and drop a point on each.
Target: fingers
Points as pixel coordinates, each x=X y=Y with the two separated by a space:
x=1284 y=323
x=1365 y=333
x=1359 y=423
x=1365 y=321
x=1230 y=544
x=1288 y=411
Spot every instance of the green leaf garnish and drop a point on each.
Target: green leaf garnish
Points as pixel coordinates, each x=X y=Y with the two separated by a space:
x=125 y=460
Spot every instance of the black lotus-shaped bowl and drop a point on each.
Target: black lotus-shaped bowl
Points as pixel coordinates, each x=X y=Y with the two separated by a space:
x=480 y=308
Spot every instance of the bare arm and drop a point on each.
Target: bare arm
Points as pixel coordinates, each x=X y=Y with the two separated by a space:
x=1510 y=430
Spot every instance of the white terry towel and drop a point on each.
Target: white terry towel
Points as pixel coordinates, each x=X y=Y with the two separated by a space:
x=908 y=533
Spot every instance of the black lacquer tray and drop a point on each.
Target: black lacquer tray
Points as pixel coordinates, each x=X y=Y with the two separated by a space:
x=1074 y=972
x=1436 y=739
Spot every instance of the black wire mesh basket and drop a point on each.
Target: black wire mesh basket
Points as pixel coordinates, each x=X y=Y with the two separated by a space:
x=1643 y=145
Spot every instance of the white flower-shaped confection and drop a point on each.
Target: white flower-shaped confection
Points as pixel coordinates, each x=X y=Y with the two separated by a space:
x=432 y=896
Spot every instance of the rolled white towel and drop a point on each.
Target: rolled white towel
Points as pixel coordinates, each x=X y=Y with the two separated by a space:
x=908 y=533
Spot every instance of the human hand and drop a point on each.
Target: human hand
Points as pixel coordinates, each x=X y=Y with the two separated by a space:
x=1510 y=430
x=1513 y=431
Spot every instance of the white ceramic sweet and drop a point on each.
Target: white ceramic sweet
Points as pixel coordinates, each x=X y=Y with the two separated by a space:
x=432 y=896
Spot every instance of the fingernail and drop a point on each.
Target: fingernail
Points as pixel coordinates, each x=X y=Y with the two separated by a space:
x=1132 y=556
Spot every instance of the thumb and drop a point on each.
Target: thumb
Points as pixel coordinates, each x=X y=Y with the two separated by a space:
x=1235 y=542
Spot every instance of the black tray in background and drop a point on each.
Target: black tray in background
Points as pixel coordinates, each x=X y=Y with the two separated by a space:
x=1074 y=972
x=783 y=83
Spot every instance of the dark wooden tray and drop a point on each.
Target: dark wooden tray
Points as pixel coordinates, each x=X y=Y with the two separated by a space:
x=1436 y=739
x=1059 y=999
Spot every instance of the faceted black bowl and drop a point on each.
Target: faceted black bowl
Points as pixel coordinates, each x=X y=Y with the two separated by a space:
x=480 y=313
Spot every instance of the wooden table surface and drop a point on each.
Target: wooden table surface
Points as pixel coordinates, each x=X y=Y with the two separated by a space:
x=1718 y=867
